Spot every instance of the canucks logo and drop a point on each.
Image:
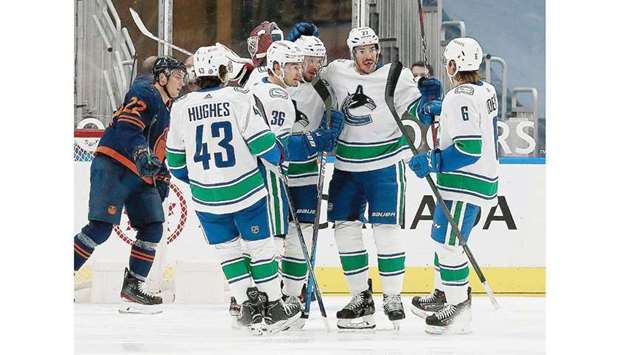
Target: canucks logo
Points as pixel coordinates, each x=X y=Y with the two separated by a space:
x=356 y=100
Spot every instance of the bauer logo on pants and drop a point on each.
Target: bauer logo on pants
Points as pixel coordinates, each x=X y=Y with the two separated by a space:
x=175 y=211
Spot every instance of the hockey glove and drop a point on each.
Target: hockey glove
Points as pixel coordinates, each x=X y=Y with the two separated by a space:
x=163 y=185
x=302 y=29
x=146 y=164
x=430 y=88
x=427 y=110
x=426 y=162
x=337 y=121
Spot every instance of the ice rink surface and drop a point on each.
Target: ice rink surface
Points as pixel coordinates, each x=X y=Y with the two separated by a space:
x=517 y=328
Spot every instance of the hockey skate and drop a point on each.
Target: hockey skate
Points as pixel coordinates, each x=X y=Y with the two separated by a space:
x=451 y=319
x=280 y=315
x=358 y=313
x=299 y=324
x=393 y=309
x=136 y=299
x=251 y=312
x=424 y=306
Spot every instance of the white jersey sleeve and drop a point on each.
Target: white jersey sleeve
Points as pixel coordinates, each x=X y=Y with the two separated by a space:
x=406 y=93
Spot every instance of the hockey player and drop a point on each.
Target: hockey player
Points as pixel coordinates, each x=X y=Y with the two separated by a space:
x=369 y=169
x=127 y=171
x=467 y=176
x=222 y=133
x=284 y=61
x=309 y=137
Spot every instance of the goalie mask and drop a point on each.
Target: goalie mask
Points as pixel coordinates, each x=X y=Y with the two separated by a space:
x=261 y=38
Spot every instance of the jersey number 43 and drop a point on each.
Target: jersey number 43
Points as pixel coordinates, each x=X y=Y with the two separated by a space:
x=218 y=129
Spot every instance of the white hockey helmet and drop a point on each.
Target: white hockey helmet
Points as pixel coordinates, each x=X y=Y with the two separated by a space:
x=361 y=36
x=208 y=60
x=311 y=46
x=283 y=52
x=465 y=52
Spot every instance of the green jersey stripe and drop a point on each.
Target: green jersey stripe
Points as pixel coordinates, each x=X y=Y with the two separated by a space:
x=367 y=151
x=468 y=184
x=262 y=143
x=470 y=146
x=448 y=275
x=292 y=268
x=229 y=192
x=175 y=160
x=351 y=263
x=392 y=264
x=457 y=218
x=298 y=168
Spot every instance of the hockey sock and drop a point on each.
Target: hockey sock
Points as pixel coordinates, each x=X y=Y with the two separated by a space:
x=143 y=250
x=454 y=272
x=264 y=267
x=235 y=267
x=437 y=273
x=294 y=268
x=390 y=257
x=353 y=254
x=85 y=242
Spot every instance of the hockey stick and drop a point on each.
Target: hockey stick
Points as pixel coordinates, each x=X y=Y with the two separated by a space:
x=321 y=88
x=317 y=292
x=425 y=58
x=142 y=28
x=390 y=87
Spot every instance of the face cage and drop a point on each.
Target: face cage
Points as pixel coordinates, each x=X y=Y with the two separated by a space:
x=253 y=41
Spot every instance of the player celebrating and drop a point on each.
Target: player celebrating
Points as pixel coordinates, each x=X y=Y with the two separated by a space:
x=284 y=61
x=467 y=176
x=308 y=139
x=127 y=171
x=220 y=129
x=369 y=169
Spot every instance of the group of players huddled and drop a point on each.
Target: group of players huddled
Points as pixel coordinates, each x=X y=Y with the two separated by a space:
x=249 y=124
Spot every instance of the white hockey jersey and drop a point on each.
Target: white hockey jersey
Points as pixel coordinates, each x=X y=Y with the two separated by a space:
x=277 y=106
x=469 y=121
x=216 y=134
x=370 y=139
x=310 y=110
x=257 y=75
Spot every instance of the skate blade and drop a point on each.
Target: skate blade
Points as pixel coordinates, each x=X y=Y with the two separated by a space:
x=367 y=323
x=282 y=325
x=134 y=308
x=450 y=329
x=419 y=312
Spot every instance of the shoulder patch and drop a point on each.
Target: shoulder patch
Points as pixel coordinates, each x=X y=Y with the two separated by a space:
x=241 y=90
x=278 y=92
x=464 y=89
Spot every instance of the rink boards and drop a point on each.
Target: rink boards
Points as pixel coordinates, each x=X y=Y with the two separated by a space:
x=508 y=241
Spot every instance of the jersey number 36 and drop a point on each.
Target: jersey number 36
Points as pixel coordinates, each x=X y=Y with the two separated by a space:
x=218 y=129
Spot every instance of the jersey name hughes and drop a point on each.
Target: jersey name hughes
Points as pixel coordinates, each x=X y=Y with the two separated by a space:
x=210 y=110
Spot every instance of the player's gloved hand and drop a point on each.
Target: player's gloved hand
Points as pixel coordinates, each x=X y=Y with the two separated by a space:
x=302 y=28
x=337 y=121
x=147 y=164
x=163 y=185
x=430 y=88
x=427 y=110
x=425 y=163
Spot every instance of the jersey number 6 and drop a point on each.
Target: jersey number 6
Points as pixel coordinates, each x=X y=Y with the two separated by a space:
x=218 y=129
